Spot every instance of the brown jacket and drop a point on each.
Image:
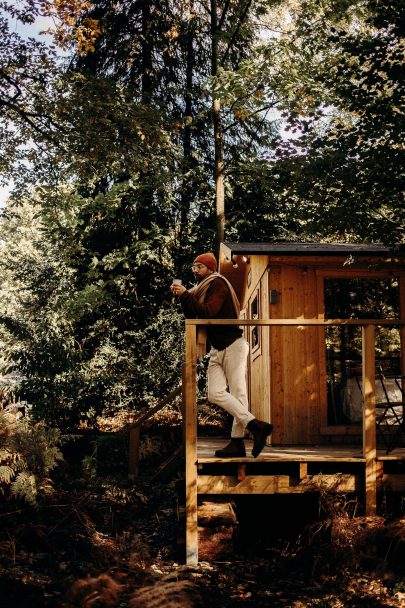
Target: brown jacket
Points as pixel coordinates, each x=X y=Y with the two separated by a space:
x=218 y=304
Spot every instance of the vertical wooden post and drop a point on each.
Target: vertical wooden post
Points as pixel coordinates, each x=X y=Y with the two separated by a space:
x=134 y=441
x=190 y=426
x=402 y=337
x=183 y=401
x=369 y=419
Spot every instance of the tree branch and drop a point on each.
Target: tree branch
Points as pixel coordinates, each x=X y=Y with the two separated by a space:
x=240 y=22
x=252 y=136
x=28 y=118
x=263 y=109
x=223 y=16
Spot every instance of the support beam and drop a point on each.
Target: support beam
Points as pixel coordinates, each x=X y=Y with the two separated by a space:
x=303 y=470
x=369 y=419
x=190 y=432
x=277 y=484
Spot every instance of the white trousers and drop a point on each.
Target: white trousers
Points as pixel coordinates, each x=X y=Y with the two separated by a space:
x=227 y=370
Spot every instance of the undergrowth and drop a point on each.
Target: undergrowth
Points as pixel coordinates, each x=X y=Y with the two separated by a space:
x=28 y=453
x=99 y=541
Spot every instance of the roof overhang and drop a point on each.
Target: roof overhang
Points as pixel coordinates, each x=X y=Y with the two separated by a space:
x=319 y=249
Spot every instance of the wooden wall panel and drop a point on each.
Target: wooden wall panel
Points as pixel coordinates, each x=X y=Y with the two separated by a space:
x=289 y=376
x=294 y=357
x=312 y=387
x=259 y=361
x=254 y=273
x=323 y=377
x=266 y=349
x=276 y=349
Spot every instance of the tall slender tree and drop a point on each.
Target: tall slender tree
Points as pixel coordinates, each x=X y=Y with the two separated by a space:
x=174 y=49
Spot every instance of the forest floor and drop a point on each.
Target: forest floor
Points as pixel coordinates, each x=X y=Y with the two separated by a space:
x=99 y=541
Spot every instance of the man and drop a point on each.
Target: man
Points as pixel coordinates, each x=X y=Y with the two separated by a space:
x=214 y=298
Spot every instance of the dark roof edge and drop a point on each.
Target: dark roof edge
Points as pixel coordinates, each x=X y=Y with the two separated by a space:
x=314 y=248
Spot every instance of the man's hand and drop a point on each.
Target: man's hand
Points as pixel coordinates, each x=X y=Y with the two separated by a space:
x=177 y=290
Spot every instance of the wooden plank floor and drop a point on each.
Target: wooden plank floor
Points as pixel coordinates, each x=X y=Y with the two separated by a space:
x=206 y=447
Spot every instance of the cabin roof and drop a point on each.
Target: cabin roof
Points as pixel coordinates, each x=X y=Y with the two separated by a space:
x=295 y=249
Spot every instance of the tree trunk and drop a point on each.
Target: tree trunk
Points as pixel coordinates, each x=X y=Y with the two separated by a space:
x=146 y=52
x=219 y=173
x=188 y=160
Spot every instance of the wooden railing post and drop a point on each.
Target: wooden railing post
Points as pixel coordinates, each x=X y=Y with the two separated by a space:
x=133 y=458
x=190 y=432
x=183 y=401
x=369 y=418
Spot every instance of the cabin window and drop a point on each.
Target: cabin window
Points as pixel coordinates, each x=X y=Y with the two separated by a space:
x=359 y=298
x=254 y=329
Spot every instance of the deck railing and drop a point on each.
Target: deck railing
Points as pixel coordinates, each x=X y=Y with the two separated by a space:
x=368 y=327
x=135 y=431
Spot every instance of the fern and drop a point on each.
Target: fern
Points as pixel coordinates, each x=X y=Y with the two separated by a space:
x=6 y=474
x=25 y=487
x=39 y=446
x=28 y=453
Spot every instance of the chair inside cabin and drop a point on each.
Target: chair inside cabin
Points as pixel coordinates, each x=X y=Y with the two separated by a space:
x=390 y=412
x=390 y=405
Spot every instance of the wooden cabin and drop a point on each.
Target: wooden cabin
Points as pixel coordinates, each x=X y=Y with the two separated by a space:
x=304 y=381
x=326 y=327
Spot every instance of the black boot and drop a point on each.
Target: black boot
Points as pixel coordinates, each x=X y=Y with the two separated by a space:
x=234 y=449
x=260 y=431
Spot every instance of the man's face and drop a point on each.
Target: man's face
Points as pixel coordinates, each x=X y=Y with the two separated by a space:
x=200 y=271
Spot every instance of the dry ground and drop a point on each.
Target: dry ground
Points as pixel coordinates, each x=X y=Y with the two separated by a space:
x=102 y=542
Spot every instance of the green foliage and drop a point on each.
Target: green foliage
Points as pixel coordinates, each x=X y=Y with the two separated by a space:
x=24 y=486
x=28 y=453
x=6 y=472
x=89 y=326
x=347 y=180
x=117 y=176
x=330 y=73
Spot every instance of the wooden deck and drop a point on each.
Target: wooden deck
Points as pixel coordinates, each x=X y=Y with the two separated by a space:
x=206 y=447
x=365 y=469
x=294 y=470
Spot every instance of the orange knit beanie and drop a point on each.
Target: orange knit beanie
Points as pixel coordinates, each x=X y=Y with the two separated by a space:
x=208 y=259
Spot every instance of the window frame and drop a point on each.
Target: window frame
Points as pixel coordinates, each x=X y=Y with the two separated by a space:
x=255 y=349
